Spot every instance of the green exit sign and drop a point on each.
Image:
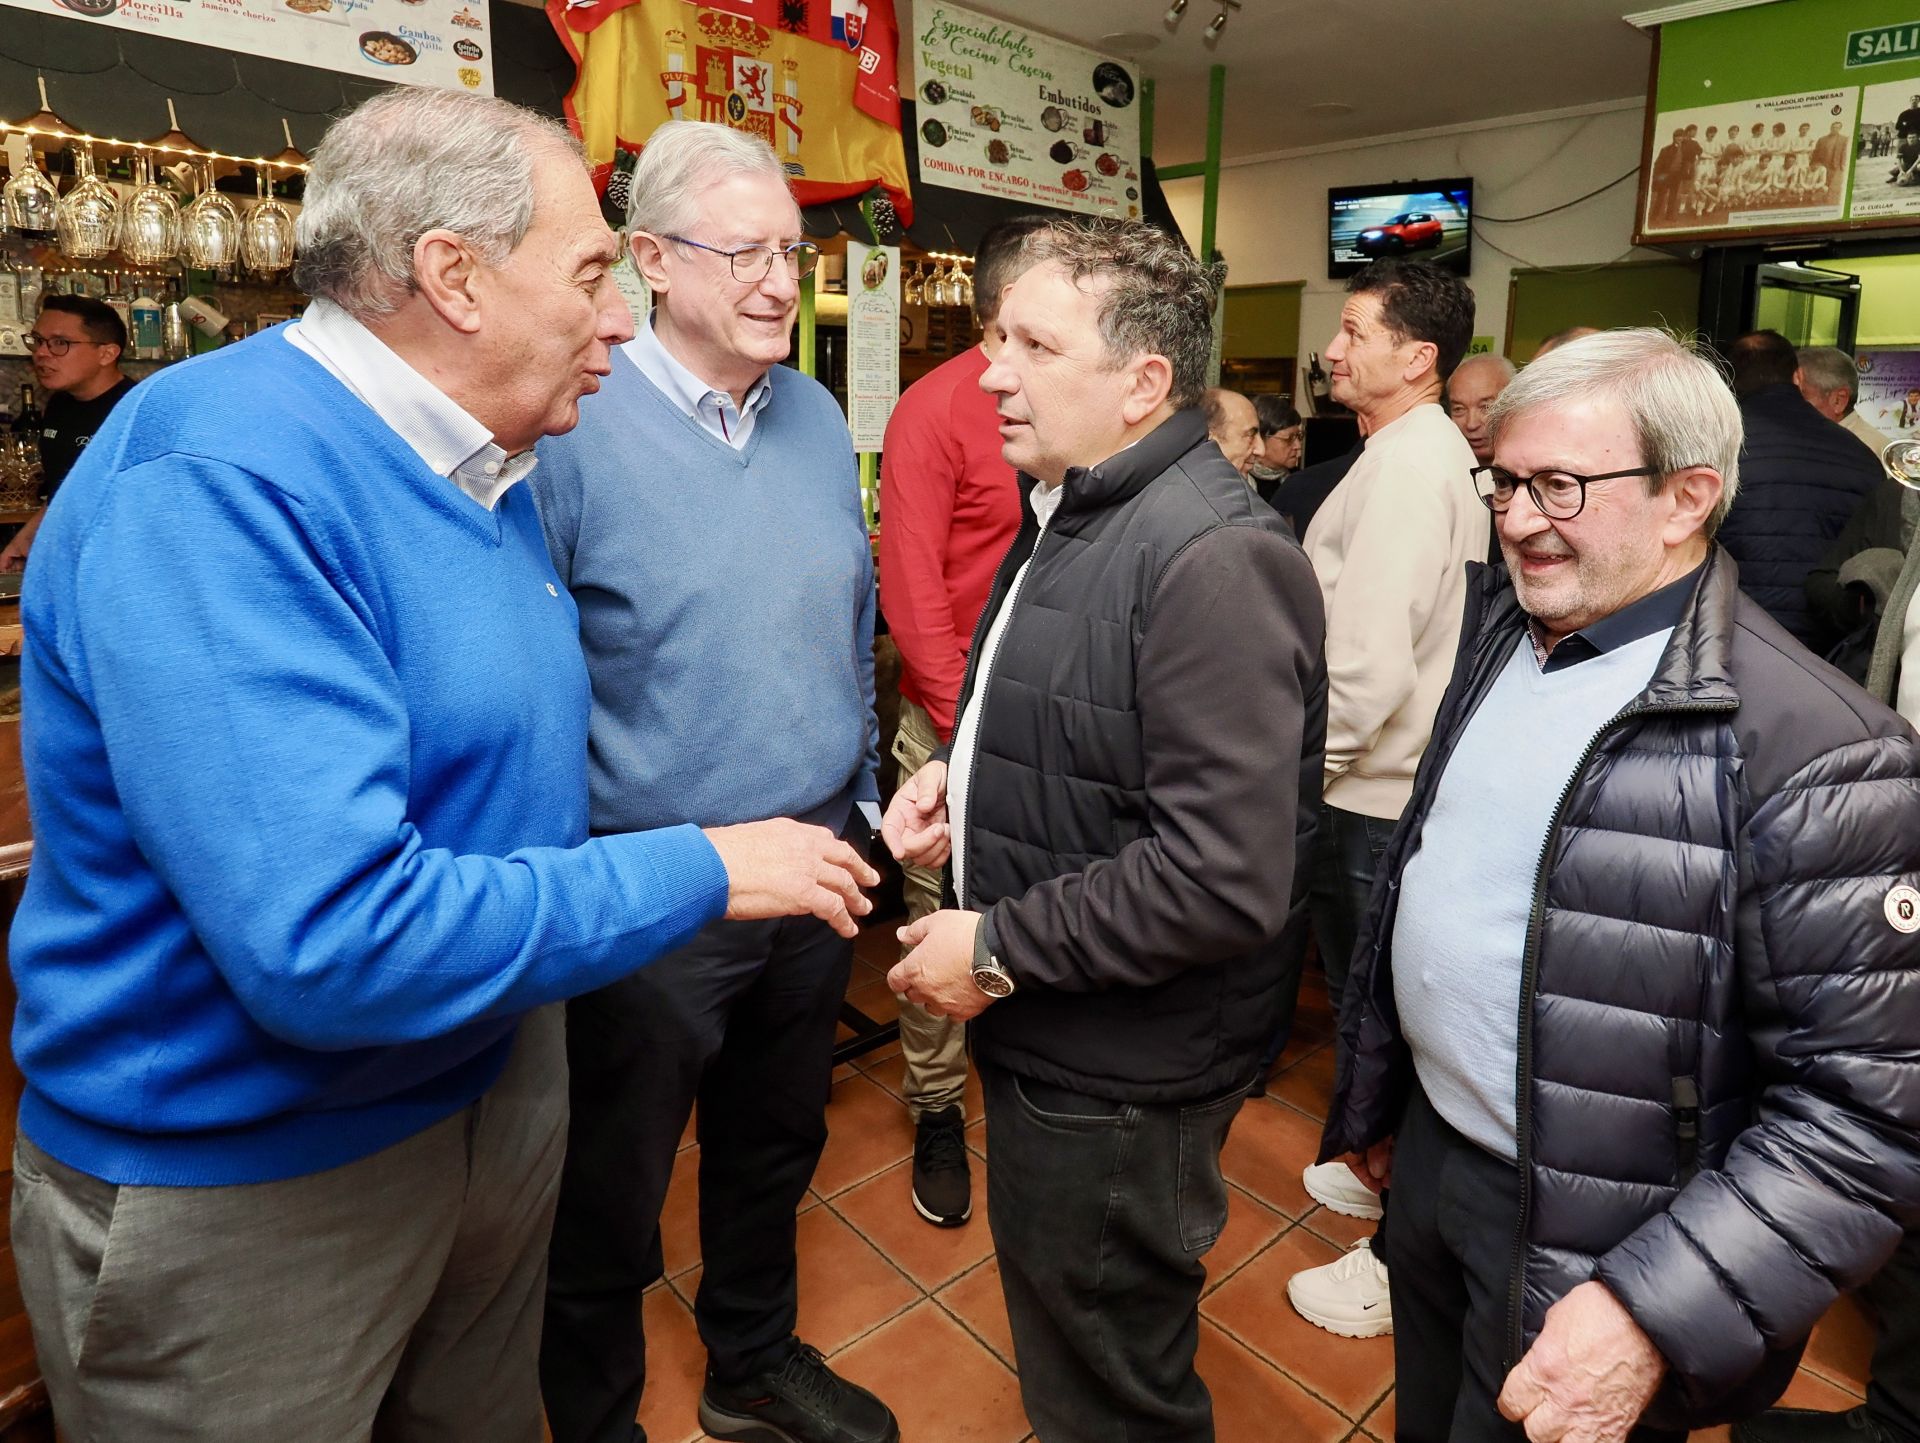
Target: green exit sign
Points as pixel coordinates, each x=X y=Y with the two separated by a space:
x=1883 y=44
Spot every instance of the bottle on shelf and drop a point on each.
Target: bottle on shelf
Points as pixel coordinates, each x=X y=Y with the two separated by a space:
x=26 y=420
x=122 y=303
x=143 y=330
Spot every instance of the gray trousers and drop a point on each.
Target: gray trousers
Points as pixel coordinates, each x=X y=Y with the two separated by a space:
x=394 y=1298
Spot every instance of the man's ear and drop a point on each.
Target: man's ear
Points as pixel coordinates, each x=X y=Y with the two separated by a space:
x=649 y=258
x=1695 y=491
x=444 y=273
x=1149 y=383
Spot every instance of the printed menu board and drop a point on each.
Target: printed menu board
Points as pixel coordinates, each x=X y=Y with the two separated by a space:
x=873 y=341
x=1011 y=112
x=444 y=43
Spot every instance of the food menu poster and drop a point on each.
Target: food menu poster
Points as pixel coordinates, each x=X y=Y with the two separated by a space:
x=446 y=43
x=873 y=341
x=1010 y=112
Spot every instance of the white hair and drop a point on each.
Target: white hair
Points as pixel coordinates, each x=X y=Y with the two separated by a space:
x=1677 y=400
x=1486 y=358
x=683 y=158
x=411 y=160
x=1831 y=369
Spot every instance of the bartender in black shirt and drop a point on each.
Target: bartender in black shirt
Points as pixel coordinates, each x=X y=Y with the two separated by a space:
x=76 y=345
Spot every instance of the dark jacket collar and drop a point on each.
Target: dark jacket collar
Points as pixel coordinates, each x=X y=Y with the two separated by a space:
x=1125 y=474
x=1694 y=670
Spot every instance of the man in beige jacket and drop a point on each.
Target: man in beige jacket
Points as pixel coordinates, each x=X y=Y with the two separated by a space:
x=1390 y=548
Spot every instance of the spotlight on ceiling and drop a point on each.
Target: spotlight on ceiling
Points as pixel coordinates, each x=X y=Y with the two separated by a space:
x=1175 y=11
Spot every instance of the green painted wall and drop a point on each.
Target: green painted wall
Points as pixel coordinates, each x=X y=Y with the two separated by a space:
x=1889 y=298
x=1262 y=321
x=1778 y=49
x=1658 y=293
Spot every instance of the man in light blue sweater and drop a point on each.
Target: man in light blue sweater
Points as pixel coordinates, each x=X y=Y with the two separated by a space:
x=310 y=813
x=706 y=518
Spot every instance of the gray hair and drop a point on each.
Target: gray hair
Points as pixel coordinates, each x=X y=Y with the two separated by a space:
x=411 y=160
x=1676 y=399
x=681 y=159
x=1486 y=358
x=1831 y=369
x=1159 y=298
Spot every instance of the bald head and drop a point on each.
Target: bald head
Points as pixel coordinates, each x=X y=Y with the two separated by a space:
x=1470 y=390
x=1234 y=426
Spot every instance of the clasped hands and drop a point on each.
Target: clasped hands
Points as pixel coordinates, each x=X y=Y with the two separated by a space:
x=938 y=973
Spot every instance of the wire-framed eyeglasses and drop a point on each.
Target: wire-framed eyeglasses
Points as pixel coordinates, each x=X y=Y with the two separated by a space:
x=753 y=264
x=1559 y=495
x=56 y=345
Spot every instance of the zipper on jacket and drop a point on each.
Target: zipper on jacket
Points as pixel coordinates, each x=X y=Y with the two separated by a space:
x=982 y=683
x=1529 y=980
x=1686 y=1127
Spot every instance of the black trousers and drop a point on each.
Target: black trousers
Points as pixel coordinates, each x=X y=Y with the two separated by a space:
x=1893 y=1393
x=1101 y=1212
x=1347 y=849
x=741 y=1020
x=1453 y=1210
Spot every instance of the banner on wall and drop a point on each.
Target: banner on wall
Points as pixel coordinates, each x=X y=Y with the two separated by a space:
x=815 y=79
x=445 y=43
x=1017 y=114
x=1889 y=398
x=1780 y=161
x=873 y=341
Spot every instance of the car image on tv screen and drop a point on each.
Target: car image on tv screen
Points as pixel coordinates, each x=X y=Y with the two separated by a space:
x=1367 y=223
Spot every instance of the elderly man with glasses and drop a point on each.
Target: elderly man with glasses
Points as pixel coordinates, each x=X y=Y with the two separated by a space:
x=1634 y=1019
x=706 y=517
x=75 y=346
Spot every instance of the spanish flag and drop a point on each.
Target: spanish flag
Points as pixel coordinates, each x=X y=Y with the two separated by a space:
x=815 y=78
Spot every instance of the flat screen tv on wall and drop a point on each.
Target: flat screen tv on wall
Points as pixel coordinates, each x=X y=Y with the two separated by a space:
x=1429 y=220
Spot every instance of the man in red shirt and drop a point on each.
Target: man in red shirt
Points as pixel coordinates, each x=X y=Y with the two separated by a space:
x=949 y=507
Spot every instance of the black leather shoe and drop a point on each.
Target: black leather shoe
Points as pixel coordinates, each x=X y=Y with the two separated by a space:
x=803 y=1401
x=942 y=1180
x=1808 y=1425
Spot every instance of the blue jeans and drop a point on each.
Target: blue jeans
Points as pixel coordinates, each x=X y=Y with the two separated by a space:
x=1101 y=1212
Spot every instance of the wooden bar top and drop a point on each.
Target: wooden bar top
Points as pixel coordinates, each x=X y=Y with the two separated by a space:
x=16 y=832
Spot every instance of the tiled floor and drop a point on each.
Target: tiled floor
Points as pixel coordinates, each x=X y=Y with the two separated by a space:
x=914 y=1312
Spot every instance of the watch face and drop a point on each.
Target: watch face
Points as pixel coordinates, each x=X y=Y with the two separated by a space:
x=992 y=981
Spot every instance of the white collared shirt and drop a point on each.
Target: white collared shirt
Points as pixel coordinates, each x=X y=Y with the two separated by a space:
x=711 y=409
x=450 y=441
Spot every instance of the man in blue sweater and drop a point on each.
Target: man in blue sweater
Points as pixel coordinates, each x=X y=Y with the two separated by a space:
x=310 y=810
x=706 y=518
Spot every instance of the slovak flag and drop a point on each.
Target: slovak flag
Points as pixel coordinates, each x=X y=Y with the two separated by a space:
x=849 y=22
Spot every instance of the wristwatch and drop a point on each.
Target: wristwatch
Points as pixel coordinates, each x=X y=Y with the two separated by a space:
x=990 y=974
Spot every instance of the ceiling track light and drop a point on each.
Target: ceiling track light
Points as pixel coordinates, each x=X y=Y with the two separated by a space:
x=1175 y=11
x=1219 y=22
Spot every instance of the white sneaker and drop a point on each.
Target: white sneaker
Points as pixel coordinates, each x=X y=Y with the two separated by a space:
x=1347 y=1296
x=1333 y=1185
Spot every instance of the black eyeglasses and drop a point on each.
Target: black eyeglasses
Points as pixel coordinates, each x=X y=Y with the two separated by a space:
x=56 y=345
x=753 y=264
x=1560 y=495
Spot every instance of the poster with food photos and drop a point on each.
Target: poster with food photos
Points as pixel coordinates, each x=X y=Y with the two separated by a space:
x=445 y=43
x=1011 y=112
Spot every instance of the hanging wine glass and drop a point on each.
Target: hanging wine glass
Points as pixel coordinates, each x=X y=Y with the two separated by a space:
x=937 y=287
x=266 y=237
x=210 y=228
x=88 y=221
x=31 y=200
x=150 y=223
x=913 y=286
x=962 y=286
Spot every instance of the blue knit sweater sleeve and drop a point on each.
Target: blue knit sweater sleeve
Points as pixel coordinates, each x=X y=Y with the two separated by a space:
x=258 y=739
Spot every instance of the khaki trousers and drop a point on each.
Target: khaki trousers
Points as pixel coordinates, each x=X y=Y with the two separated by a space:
x=935 y=1048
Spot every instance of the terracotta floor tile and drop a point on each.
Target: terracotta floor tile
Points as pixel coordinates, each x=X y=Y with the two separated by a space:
x=1308 y=1084
x=977 y=1301
x=882 y=1210
x=1809 y=1390
x=1251 y=1225
x=1339 y=1229
x=868 y=1131
x=1254 y=1402
x=940 y=1382
x=1269 y=1146
x=1722 y=1434
x=865 y=973
x=1841 y=1350
x=676 y=1366
x=680 y=1214
x=846 y=1287
x=1380 y=1422
x=1252 y=1305
x=690 y=1133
